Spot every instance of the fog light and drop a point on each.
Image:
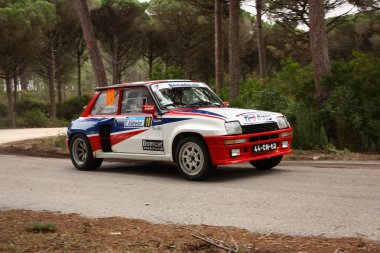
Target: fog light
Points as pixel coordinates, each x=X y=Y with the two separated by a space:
x=234 y=141
x=285 y=144
x=235 y=152
x=285 y=134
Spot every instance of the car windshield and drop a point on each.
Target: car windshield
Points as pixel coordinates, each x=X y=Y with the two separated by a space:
x=185 y=95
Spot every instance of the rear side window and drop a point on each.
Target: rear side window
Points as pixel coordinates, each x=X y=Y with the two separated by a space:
x=106 y=103
x=133 y=100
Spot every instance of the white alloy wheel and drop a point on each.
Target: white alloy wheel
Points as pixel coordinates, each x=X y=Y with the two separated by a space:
x=191 y=158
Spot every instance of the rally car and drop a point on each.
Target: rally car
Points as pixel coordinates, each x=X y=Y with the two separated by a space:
x=178 y=121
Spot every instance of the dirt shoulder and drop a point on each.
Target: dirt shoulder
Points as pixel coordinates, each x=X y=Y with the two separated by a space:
x=28 y=231
x=53 y=147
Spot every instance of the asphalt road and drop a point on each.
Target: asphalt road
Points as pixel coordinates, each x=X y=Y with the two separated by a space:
x=332 y=199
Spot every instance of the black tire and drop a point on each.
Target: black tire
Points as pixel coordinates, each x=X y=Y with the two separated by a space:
x=81 y=154
x=193 y=159
x=266 y=164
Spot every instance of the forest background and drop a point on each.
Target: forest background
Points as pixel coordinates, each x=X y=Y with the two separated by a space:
x=325 y=79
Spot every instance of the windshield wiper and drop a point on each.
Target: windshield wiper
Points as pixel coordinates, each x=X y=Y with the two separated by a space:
x=199 y=103
x=174 y=105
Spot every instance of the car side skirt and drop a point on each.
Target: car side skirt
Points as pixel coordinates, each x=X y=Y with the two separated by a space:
x=129 y=156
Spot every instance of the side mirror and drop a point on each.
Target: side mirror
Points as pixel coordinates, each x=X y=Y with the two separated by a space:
x=226 y=104
x=148 y=109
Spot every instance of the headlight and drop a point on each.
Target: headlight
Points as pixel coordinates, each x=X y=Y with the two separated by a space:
x=233 y=127
x=282 y=122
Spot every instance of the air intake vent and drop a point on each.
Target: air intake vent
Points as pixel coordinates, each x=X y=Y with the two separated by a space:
x=259 y=128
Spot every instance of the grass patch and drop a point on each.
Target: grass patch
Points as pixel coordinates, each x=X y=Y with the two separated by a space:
x=40 y=227
x=58 y=141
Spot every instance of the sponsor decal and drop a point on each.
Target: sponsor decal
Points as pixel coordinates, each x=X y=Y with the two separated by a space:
x=148 y=122
x=174 y=85
x=134 y=122
x=153 y=145
x=263 y=117
x=251 y=118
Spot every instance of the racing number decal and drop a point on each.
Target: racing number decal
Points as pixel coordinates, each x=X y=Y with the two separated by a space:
x=138 y=122
x=148 y=122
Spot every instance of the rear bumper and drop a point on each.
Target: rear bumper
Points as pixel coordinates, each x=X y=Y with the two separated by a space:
x=221 y=153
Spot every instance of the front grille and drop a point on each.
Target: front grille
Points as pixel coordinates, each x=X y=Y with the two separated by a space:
x=259 y=128
x=263 y=138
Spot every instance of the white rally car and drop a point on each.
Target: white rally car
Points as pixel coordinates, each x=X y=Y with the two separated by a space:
x=177 y=121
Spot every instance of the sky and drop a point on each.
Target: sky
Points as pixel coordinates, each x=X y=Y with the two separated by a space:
x=249 y=6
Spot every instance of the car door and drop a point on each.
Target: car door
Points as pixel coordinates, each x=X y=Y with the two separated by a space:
x=133 y=130
x=101 y=118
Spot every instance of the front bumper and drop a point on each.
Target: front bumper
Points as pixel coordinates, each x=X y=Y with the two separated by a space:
x=221 y=153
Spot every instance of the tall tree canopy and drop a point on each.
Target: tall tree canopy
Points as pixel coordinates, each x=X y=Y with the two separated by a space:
x=118 y=25
x=20 y=31
x=187 y=30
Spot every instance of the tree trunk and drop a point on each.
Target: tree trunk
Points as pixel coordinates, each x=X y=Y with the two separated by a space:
x=89 y=37
x=150 y=62
x=260 y=40
x=64 y=92
x=11 y=113
x=233 y=48
x=58 y=68
x=218 y=9
x=319 y=47
x=51 y=83
x=59 y=84
x=15 y=88
x=115 y=61
x=79 y=75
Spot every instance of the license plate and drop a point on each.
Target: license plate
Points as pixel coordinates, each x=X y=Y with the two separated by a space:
x=266 y=147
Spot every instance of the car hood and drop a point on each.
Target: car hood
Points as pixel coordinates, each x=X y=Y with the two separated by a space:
x=244 y=116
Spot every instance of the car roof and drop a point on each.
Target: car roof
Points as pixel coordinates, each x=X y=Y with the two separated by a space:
x=143 y=83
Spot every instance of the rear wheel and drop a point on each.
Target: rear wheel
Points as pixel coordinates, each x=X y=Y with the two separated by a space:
x=193 y=159
x=266 y=164
x=81 y=154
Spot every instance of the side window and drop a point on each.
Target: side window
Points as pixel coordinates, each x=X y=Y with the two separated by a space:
x=106 y=103
x=134 y=99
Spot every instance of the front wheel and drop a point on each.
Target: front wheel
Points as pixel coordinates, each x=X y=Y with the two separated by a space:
x=81 y=154
x=266 y=164
x=193 y=159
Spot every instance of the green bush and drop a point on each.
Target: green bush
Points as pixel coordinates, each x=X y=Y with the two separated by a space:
x=22 y=106
x=72 y=108
x=55 y=122
x=33 y=118
x=352 y=111
x=308 y=130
